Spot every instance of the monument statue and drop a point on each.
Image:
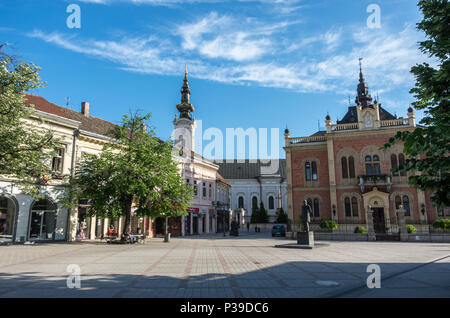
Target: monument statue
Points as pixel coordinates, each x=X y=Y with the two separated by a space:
x=306 y=216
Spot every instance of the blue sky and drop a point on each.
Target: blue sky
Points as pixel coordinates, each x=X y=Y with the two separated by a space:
x=261 y=64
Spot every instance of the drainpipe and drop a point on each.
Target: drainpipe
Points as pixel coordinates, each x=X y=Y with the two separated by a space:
x=72 y=174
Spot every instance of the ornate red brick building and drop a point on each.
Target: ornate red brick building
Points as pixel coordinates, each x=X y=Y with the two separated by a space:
x=345 y=176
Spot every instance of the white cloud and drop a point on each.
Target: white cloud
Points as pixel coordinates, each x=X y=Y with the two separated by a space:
x=216 y=36
x=219 y=50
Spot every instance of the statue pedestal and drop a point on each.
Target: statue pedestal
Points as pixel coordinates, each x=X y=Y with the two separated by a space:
x=305 y=238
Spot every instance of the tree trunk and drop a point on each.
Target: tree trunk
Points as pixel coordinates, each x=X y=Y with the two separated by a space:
x=127 y=208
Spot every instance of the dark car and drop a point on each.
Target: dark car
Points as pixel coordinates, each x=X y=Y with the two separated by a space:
x=278 y=230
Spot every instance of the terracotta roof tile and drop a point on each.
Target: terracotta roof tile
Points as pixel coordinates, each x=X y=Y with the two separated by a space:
x=88 y=123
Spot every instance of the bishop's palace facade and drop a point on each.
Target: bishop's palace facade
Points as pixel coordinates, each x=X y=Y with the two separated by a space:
x=345 y=176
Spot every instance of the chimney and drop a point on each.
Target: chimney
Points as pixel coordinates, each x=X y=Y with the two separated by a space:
x=85 y=108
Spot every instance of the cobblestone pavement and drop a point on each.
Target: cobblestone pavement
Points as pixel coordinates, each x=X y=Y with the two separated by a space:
x=214 y=266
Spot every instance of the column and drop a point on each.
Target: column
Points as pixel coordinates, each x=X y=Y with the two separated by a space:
x=183 y=225
x=290 y=204
x=93 y=226
x=207 y=223
x=370 y=229
x=191 y=228
x=402 y=224
x=72 y=220
x=332 y=177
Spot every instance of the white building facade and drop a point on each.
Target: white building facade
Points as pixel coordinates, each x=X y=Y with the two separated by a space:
x=250 y=185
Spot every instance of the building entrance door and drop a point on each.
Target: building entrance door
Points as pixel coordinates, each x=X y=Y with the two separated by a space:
x=195 y=224
x=42 y=220
x=42 y=225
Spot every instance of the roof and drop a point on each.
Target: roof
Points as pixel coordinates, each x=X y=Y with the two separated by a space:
x=319 y=133
x=247 y=169
x=352 y=116
x=88 y=123
x=220 y=178
x=44 y=105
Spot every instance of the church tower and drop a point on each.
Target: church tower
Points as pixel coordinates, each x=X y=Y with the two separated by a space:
x=184 y=124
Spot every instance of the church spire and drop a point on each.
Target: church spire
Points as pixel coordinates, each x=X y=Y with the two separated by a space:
x=185 y=107
x=363 y=97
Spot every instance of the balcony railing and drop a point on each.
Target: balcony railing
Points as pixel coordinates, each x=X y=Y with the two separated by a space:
x=375 y=180
x=339 y=127
x=394 y=122
x=304 y=140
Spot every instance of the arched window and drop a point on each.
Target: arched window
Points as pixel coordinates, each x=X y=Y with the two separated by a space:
x=344 y=168
x=406 y=205
x=369 y=170
x=351 y=167
x=254 y=203
x=376 y=165
x=7 y=211
x=314 y=170
x=394 y=164
x=307 y=171
x=241 y=203
x=316 y=208
x=348 y=209
x=398 y=202
x=354 y=206
x=401 y=162
x=43 y=220
x=372 y=165
x=271 y=203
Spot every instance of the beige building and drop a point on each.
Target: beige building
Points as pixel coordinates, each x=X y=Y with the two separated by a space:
x=25 y=219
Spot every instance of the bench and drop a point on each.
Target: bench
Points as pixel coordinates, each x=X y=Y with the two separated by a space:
x=110 y=238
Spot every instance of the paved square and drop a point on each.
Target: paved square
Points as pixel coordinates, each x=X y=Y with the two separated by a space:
x=214 y=266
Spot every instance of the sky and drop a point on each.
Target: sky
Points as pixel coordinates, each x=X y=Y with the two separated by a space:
x=251 y=63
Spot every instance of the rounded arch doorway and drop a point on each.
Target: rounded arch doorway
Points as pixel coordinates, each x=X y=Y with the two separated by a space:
x=8 y=210
x=42 y=220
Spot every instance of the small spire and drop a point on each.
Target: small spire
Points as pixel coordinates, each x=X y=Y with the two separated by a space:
x=363 y=97
x=185 y=70
x=361 y=77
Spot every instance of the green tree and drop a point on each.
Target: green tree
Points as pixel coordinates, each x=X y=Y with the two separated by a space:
x=25 y=148
x=135 y=168
x=282 y=216
x=428 y=147
x=261 y=214
x=254 y=212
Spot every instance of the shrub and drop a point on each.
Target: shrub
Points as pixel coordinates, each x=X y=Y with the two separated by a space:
x=282 y=217
x=260 y=215
x=443 y=224
x=234 y=231
x=360 y=229
x=411 y=229
x=328 y=224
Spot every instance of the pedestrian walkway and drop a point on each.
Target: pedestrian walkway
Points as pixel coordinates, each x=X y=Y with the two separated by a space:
x=215 y=266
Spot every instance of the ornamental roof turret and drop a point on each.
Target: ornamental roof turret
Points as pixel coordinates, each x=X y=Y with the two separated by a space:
x=363 y=97
x=185 y=107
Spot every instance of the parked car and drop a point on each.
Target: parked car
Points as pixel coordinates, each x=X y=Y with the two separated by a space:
x=278 y=230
